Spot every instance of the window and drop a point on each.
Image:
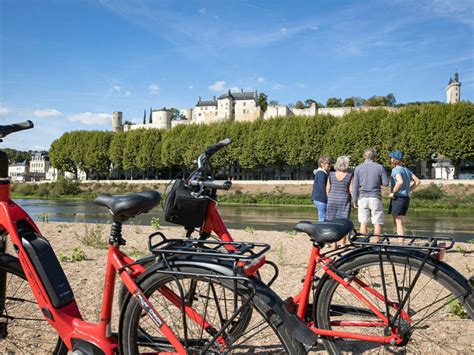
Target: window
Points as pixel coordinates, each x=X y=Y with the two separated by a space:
x=245 y=103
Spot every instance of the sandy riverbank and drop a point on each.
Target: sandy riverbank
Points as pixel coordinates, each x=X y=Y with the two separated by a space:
x=289 y=251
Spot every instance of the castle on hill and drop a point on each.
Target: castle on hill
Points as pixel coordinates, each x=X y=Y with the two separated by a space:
x=244 y=106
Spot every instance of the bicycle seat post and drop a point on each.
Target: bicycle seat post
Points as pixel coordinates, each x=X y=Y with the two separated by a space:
x=115 y=237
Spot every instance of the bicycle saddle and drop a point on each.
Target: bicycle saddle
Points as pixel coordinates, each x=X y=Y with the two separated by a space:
x=124 y=207
x=326 y=232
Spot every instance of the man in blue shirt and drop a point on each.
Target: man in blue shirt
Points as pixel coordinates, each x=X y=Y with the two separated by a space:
x=402 y=182
x=319 y=195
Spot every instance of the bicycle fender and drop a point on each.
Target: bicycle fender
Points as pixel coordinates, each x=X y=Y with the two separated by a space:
x=448 y=269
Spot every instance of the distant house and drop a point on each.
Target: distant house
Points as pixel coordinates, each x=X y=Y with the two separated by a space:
x=17 y=171
x=443 y=170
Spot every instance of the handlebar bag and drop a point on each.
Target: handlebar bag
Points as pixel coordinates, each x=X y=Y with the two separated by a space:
x=183 y=208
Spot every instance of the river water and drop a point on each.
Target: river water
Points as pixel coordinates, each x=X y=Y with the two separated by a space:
x=446 y=223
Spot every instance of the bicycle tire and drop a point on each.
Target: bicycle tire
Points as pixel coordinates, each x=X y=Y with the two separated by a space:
x=27 y=330
x=272 y=337
x=241 y=323
x=336 y=303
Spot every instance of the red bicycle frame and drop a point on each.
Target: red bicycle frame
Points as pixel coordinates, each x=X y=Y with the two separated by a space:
x=214 y=223
x=67 y=320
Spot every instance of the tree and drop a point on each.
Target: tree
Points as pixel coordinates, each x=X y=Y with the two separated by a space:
x=60 y=154
x=175 y=114
x=16 y=156
x=390 y=100
x=349 y=102
x=334 y=102
x=273 y=102
x=299 y=105
x=262 y=101
x=375 y=101
x=116 y=149
x=309 y=102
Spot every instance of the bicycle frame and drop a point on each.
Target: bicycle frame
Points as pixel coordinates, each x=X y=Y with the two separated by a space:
x=67 y=320
x=214 y=223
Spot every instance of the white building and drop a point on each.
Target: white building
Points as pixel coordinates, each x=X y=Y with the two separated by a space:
x=39 y=163
x=453 y=90
x=17 y=171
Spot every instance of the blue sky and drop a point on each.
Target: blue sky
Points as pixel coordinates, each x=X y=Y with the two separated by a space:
x=68 y=64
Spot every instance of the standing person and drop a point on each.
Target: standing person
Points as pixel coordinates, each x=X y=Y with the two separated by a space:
x=402 y=182
x=366 y=192
x=338 y=188
x=319 y=195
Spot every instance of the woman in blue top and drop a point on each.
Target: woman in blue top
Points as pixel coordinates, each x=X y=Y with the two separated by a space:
x=402 y=182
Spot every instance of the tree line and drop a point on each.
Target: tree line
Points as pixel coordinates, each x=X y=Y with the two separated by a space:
x=419 y=131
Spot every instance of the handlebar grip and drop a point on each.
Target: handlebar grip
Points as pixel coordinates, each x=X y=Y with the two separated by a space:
x=15 y=127
x=218 y=184
x=214 y=148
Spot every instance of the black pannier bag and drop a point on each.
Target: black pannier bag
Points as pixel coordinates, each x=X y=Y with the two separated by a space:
x=183 y=208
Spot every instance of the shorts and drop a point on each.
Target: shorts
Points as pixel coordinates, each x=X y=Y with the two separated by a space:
x=399 y=206
x=370 y=209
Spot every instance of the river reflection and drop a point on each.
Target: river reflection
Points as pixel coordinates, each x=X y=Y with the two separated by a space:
x=458 y=225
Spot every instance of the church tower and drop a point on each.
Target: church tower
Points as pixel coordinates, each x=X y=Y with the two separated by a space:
x=453 y=90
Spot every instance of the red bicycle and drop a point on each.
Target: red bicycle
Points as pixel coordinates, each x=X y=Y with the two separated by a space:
x=39 y=314
x=376 y=291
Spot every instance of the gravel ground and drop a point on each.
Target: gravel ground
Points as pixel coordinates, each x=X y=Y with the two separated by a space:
x=290 y=251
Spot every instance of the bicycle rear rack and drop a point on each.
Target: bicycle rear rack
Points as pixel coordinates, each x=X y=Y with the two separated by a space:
x=427 y=243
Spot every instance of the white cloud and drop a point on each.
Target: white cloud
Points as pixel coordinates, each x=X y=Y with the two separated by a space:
x=154 y=88
x=300 y=85
x=116 y=88
x=218 y=86
x=277 y=86
x=46 y=112
x=202 y=11
x=3 y=110
x=90 y=118
x=284 y=30
x=128 y=93
x=314 y=28
x=235 y=89
x=190 y=87
x=260 y=79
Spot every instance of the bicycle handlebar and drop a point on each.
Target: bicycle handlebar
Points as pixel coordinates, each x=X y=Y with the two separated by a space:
x=212 y=184
x=15 y=127
x=214 y=148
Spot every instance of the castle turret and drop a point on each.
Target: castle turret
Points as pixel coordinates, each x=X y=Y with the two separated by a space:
x=162 y=118
x=453 y=90
x=117 y=122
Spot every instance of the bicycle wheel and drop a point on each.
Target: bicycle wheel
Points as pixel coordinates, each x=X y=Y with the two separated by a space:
x=215 y=300
x=435 y=322
x=23 y=328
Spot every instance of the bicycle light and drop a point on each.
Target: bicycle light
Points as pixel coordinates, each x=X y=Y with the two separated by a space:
x=254 y=265
x=441 y=253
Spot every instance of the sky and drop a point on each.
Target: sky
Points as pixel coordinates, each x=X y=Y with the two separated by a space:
x=68 y=64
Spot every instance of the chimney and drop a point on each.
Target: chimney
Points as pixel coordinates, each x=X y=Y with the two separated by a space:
x=214 y=98
x=242 y=91
x=150 y=120
x=199 y=99
x=144 y=116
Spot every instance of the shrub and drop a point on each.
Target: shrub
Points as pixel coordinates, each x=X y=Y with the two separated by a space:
x=155 y=223
x=431 y=192
x=93 y=237
x=66 y=186
x=24 y=189
x=77 y=255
